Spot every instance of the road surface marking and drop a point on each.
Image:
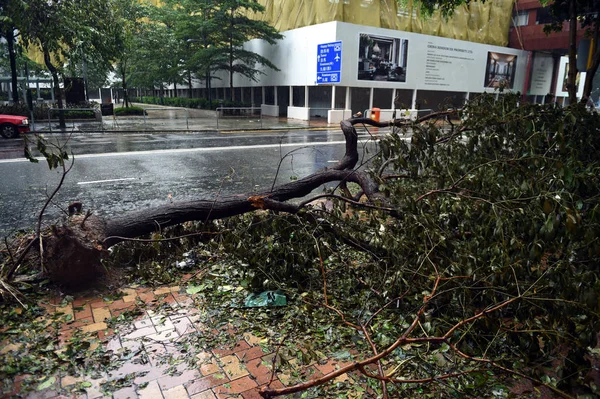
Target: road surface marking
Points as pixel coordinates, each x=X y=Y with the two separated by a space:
x=106 y=181
x=189 y=150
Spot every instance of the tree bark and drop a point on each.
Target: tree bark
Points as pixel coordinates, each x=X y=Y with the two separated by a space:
x=10 y=42
x=231 y=27
x=57 y=90
x=572 y=75
x=591 y=72
x=124 y=85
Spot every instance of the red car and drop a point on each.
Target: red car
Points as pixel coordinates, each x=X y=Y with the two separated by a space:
x=12 y=125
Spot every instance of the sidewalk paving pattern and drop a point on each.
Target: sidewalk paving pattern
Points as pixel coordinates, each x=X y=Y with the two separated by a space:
x=155 y=367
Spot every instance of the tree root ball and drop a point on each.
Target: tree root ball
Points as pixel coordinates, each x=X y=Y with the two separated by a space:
x=73 y=251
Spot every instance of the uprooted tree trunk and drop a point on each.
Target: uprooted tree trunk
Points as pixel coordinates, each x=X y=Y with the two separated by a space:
x=73 y=252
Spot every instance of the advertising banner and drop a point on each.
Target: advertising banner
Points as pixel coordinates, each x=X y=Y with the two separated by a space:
x=541 y=75
x=561 y=84
x=396 y=59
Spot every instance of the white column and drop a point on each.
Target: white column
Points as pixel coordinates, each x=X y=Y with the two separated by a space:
x=252 y=96
x=333 y=97
x=348 y=98
x=393 y=106
x=262 y=95
x=371 y=98
x=275 y=95
x=305 y=96
x=414 y=99
x=291 y=93
x=467 y=97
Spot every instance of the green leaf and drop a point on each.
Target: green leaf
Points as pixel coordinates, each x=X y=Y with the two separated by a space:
x=46 y=384
x=193 y=289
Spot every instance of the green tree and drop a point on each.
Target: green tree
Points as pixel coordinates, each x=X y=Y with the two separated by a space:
x=195 y=23
x=155 y=61
x=130 y=14
x=10 y=12
x=236 y=28
x=60 y=29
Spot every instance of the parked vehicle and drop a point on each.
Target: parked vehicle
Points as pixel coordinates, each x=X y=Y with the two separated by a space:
x=12 y=125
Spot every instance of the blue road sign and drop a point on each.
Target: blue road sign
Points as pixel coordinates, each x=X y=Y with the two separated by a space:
x=329 y=63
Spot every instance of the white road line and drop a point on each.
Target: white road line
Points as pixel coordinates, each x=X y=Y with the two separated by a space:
x=189 y=150
x=106 y=181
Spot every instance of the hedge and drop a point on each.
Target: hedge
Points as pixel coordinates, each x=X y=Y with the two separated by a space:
x=126 y=111
x=201 y=103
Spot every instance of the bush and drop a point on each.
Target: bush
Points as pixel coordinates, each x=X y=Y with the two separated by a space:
x=40 y=111
x=124 y=111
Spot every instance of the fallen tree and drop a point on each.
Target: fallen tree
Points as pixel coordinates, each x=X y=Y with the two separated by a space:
x=472 y=248
x=72 y=251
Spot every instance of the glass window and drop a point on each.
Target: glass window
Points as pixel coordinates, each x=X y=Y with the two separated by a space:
x=521 y=18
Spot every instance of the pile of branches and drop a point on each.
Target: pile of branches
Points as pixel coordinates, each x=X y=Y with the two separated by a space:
x=473 y=246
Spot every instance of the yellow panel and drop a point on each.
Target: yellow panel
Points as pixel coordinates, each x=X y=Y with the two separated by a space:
x=487 y=22
x=362 y=12
x=431 y=25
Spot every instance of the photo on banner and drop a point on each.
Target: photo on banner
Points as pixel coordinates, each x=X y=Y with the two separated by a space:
x=500 y=70
x=382 y=58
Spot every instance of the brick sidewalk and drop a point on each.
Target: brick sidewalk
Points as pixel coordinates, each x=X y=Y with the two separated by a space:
x=152 y=345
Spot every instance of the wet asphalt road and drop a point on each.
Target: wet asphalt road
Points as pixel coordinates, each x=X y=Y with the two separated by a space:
x=115 y=173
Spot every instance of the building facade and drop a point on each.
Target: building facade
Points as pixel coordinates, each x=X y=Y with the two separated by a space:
x=548 y=68
x=389 y=58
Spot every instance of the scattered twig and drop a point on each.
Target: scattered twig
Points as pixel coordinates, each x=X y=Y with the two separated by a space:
x=162 y=239
x=274 y=361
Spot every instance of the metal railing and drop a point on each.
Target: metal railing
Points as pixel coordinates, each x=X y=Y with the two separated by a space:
x=220 y=109
x=66 y=110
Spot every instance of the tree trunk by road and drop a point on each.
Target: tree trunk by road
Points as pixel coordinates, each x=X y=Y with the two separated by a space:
x=123 y=69
x=572 y=75
x=595 y=62
x=231 y=27
x=10 y=42
x=57 y=90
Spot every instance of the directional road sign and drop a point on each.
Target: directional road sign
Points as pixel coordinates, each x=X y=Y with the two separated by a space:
x=329 y=63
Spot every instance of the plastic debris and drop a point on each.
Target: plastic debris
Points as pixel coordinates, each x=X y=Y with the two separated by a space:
x=266 y=298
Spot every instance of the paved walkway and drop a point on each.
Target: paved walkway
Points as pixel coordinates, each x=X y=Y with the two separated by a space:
x=151 y=352
x=165 y=118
